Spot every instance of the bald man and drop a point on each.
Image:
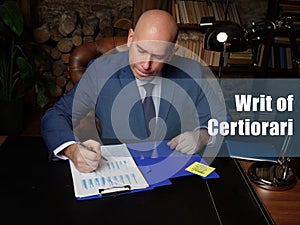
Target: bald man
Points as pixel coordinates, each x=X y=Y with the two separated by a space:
x=113 y=88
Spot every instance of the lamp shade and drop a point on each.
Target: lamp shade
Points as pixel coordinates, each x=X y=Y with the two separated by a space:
x=225 y=36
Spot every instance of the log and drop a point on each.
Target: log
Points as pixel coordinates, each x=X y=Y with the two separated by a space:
x=55 y=54
x=77 y=36
x=88 y=39
x=54 y=34
x=65 y=58
x=41 y=34
x=107 y=32
x=61 y=81
x=47 y=48
x=90 y=26
x=67 y=74
x=43 y=66
x=67 y=23
x=65 y=45
x=58 y=68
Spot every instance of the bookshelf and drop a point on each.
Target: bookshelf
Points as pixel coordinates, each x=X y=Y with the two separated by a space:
x=276 y=50
x=190 y=12
x=271 y=57
x=190 y=15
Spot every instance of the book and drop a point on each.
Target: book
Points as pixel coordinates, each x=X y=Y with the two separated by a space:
x=289 y=59
x=252 y=151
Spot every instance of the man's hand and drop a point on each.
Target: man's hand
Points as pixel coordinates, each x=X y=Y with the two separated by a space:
x=86 y=159
x=190 y=142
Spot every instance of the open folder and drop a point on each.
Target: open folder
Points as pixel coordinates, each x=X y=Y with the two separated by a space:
x=131 y=168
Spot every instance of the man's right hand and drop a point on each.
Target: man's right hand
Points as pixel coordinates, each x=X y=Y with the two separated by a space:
x=86 y=159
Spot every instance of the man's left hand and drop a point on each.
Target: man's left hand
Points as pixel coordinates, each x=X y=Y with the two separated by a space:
x=190 y=142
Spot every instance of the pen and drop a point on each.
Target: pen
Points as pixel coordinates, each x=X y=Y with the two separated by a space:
x=91 y=149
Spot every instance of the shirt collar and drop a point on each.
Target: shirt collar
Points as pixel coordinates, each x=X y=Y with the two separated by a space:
x=154 y=80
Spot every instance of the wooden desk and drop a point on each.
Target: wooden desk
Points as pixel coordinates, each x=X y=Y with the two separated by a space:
x=2 y=139
x=283 y=206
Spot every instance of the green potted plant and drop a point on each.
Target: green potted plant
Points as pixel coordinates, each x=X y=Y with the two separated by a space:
x=17 y=69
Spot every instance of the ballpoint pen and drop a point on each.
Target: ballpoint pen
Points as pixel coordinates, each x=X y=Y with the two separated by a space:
x=91 y=149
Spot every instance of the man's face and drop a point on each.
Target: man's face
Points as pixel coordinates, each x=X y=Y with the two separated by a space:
x=147 y=58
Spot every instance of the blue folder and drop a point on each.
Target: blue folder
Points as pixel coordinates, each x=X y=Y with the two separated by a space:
x=159 y=164
x=252 y=151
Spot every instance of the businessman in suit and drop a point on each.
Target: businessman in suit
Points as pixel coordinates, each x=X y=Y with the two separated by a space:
x=112 y=88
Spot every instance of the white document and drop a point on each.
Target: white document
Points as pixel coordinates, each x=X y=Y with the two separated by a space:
x=119 y=173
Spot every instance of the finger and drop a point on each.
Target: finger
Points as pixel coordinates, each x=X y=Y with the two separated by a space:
x=93 y=163
x=93 y=145
x=85 y=168
x=173 y=143
x=181 y=145
x=186 y=147
x=190 y=151
x=89 y=153
x=88 y=160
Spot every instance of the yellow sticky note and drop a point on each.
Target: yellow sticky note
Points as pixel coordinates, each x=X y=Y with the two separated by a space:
x=200 y=169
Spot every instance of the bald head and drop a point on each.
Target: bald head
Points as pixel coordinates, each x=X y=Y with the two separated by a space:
x=151 y=43
x=156 y=24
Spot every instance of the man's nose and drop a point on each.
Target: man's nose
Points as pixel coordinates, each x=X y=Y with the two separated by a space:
x=147 y=63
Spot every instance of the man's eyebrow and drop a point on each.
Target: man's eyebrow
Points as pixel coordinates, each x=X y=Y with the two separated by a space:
x=144 y=50
x=140 y=47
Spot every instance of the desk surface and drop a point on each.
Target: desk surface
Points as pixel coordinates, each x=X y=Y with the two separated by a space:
x=41 y=192
x=284 y=206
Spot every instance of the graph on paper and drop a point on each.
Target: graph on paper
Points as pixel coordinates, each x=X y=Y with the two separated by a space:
x=116 y=174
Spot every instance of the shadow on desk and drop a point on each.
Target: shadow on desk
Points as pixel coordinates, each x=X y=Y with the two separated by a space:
x=41 y=192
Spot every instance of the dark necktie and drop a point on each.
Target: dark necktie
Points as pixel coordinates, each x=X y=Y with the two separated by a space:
x=148 y=105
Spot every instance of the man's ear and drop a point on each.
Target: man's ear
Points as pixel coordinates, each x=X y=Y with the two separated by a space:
x=130 y=37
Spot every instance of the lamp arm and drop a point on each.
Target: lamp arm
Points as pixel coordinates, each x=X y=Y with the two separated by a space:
x=259 y=29
x=287 y=23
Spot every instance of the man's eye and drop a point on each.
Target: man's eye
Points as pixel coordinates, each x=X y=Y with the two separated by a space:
x=159 y=57
x=141 y=51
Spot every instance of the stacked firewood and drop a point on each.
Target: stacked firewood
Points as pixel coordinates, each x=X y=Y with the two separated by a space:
x=59 y=40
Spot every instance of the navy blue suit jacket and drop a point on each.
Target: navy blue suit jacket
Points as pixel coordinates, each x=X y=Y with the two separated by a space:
x=109 y=89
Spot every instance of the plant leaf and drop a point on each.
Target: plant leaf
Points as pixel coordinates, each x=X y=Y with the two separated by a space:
x=41 y=98
x=11 y=14
x=25 y=68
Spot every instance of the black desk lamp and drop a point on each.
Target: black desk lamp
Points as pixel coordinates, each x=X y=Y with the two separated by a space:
x=225 y=36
